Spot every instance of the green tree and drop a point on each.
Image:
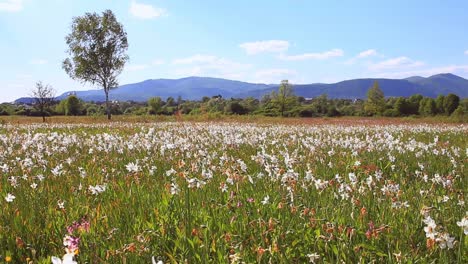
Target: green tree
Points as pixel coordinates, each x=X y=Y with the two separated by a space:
x=250 y=104
x=375 y=103
x=440 y=104
x=413 y=103
x=43 y=98
x=73 y=106
x=97 y=47
x=401 y=106
x=427 y=107
x=451 y=102
x=285 y=98
x=155 y=104
x=235 y=107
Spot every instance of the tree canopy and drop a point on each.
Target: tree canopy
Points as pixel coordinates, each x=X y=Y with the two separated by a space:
x=375 y=103
x=97 y=46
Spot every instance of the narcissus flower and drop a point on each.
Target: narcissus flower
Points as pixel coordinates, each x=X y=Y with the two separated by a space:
x=67 y=259
x=10 y=197
x=464 y=224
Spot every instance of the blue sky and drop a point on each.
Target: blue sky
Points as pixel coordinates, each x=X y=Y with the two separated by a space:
x=256 y=41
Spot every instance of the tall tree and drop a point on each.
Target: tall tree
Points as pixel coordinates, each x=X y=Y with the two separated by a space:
x=401 y=106
x=375 y=103
x=451 y=102
x=440 y=104
x=427 y=107
x=155 y=104
x=73 y=106
x=285 y=97
x=43 y=98
x=97 y=48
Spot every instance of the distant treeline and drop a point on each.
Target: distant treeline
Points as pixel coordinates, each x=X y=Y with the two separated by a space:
x=268 y=106
x=281 y=103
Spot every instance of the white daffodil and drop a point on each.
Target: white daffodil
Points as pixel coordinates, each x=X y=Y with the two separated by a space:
x=153 y=261
x=464 y=224
x=67 y=259
x=10 y=197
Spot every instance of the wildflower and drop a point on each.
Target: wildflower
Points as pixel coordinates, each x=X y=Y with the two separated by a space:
x=235 y=258
x=61 y=204
x=10 y=197
x=398 y=257
x=430 y=229
x=352 y=177
x=464 y=224
x=132 y=167
x=71 y=245
x=170 y=172
x=445 y=241
x=223 y=187
x=40 y=177
x=313 y=257
x=8 y=259
x=174 y=188
x=97 y=189
x=33 y=185
x=57 y=171
x=266 y=200
x=67 y=259
x=153 y=261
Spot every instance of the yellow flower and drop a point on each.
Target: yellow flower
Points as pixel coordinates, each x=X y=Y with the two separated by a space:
x=7 y=258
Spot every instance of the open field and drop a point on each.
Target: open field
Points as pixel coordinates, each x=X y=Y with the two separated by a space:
x=270 y=191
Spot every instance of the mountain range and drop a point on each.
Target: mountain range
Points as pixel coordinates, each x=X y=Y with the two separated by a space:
x=194 y=88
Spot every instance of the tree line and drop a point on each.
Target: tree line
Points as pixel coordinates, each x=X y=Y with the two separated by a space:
x=282 y=102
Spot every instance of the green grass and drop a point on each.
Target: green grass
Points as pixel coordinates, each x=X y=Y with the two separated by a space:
x=139 y=215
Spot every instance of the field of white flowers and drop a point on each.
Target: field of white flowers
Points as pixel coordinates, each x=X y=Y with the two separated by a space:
x=233 y=193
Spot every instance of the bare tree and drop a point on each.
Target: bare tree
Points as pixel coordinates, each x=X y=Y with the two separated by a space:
x=43 y=98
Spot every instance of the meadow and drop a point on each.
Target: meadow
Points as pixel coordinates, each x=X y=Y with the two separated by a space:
x=343 y=191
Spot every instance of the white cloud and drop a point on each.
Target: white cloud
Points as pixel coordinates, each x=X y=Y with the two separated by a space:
x=455 y=69
x=136 y=67
x=313 y=56
x=466 y=52
x=362 y=55
x=274 y=76
x=209 y=65
x=399 y=62
x=145 y=11
x=38 y=62
x=11 y=5
x=367 y=53
x=276 y=46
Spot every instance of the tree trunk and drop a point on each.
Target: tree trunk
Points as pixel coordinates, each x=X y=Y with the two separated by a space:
x=43 y=118
x=107 y=105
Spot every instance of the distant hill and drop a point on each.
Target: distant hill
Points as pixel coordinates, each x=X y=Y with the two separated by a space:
x=24 y=100
x=197 y=87
x=188 y=88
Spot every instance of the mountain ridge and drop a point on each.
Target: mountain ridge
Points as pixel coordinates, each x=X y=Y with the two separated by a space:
x=194 y=88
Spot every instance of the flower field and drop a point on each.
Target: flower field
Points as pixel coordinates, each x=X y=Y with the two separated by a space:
x=233 y=193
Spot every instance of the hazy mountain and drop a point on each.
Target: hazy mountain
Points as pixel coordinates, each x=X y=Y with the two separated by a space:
x=197 y=87
x=187 y=88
